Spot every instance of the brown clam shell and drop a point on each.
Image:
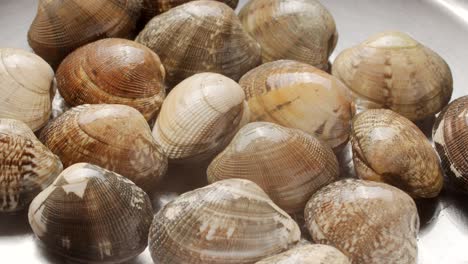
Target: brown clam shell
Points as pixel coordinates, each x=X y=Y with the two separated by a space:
x=308 y=254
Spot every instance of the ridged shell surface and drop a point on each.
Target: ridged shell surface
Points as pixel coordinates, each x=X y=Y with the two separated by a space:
x=230 y=221
x=308 y=254
x=370 y=222
x=115 y=137
x=288 y=164
x=61 y=26
x=26 y=87
x=297 y=95
x=26 y=165
x=302 y=30
x=113 y=71
x=389 y=148
x=209 y=38
x=392 y=70
x=92 y=215
x=199 y=117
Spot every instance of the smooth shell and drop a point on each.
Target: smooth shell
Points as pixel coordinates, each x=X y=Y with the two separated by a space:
x=230 y=221
x=61 y=26
x=308 y=254
x=288 y=164
x=370 y=222
x=209 y=38
x=115 y=137
x=302 y=30
x=113 y=71
x=199 y=117
x=297 y=95
x=26 y=165
x=92 y=215
x=389 y=148
x=392 y=70
x=26 y=87
x=451 y=140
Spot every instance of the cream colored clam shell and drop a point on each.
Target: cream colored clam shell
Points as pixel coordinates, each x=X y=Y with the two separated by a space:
x=308 y=254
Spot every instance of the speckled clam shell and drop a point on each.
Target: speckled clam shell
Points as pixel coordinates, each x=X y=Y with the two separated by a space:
x=302 y=30
x=61 y=26
x=26 y=87
x=199 y=117
x=92 y=215
x=389 y=148
x=297 y=95
x=113 y=71
x=26 y=165
x=115 y=137
x=451 y=140
x=370 y=222
x=209 y=38
x=308 y=254
x=392 y=70
x=288 y=164
x=230 y=221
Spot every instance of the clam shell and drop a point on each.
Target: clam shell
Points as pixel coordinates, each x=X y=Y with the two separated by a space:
x=370 y=222
x=113 y=71
x=288 y=164
x=308 y=254
x=209 y=38
x=392 y=70
x=199 y=117
x=389 y=148
x=26 y=87
x=297 y=95
x=26 y=165
x=230 y=221
x=115 y=137
x=92 y=215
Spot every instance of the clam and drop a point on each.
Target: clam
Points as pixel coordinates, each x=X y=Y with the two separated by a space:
x=370 y=222
x=288 y=164
x=392 y=70
x=61 y=26
x=451 y=140
x=308 y=254
x=26 y=165
x=92 y=215
x=301 y=30
x=389 y=148
x=199 y=117
x=26 y=87
x=209 y=38
x=230 y=221
x=297 y=95
x=113 y=71
x=115 y=137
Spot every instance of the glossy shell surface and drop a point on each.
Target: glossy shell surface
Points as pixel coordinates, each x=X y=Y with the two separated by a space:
x=308 y=254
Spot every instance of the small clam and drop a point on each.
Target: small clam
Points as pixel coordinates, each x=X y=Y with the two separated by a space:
x=115 y=137
x=389 y=148
x=92 y=215
x=209 y=38
x=199 y=117
x=113 y=71
x=301 y=30
x=392 y=70
x=297 y=95
x=370 y=222
x=288 y=164
x=230 y=221
x=26 y=166
x=308 y=254
x=451 y=140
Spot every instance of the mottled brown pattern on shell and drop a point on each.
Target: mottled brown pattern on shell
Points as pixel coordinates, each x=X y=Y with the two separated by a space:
x=92 y=215
x=308 y=254
x=288 y=164
x=209 y=38
x=61 y=26
x=113 y=71
x=370 y=222
x=230 y=221
x=115 y=137
x=389 y=148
